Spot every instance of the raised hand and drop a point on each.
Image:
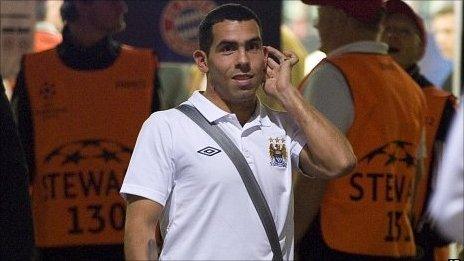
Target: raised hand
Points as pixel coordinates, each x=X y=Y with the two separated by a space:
x=278 y=75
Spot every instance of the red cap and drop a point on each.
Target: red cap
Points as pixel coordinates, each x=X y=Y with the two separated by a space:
x=363 y=10
x=400 y=7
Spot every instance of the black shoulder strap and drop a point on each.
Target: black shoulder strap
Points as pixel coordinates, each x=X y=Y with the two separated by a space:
x=245 y=172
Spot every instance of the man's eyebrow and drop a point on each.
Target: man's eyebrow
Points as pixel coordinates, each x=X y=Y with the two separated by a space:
x=256 y=39
x=225 y=42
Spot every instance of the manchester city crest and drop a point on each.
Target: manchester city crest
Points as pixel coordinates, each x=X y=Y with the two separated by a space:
x=278 y=152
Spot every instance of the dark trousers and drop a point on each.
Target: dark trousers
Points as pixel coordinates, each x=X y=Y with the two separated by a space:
x=103 y=252
x=313 y=248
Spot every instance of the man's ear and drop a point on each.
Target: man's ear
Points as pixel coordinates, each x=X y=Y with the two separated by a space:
x=201 y=60
x=266 y=55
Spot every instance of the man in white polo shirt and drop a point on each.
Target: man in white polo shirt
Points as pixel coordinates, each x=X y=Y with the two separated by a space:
x=180 y=175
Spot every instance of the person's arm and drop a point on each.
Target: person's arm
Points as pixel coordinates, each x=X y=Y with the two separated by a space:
x=23 y=115
x=15 y=207
x=141 y=218
x=147 y=185
x=327 y=153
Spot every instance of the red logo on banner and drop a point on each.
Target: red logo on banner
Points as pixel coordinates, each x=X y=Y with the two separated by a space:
x=179 y=24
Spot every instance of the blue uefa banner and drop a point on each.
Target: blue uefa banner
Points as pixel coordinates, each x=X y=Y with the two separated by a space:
x=171 y=27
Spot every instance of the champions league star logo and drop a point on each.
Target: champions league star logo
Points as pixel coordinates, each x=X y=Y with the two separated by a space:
x=278 y=152
x=395 y=151
x=47 y=91
x=90 y=149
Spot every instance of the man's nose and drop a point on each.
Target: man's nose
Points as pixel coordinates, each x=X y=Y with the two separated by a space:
x=243 y=61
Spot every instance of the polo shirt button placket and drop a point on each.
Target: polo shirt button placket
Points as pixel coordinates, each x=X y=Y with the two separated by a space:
x=245 y=151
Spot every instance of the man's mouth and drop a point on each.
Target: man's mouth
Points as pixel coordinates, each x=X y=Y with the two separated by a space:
x=244 y=81
x=393 y=50
x=242 y=77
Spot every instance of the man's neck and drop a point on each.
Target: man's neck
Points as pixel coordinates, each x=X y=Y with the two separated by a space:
x=243 y=110
x=100 y=55
x=84 y=35
x=351 y=37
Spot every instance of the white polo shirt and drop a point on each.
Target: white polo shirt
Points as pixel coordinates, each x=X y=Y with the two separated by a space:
x=208 y=213
x=447 y=205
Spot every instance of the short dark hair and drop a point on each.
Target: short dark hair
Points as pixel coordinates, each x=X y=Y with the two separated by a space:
x=68 y=11
x=233 y=12
x=375 y=22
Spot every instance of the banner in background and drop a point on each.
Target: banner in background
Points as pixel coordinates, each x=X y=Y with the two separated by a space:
x=171 y=27
x=17 y=30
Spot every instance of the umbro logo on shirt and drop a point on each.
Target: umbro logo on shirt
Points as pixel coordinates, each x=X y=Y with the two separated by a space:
x=209 y=151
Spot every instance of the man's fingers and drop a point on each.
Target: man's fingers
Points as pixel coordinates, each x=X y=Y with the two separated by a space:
x=285 y=56
x=289 y=54
x=269 y=72
x=271 y=63
x=292 y=57
x=276 y=53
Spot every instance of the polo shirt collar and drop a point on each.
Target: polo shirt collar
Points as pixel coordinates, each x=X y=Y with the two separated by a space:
x=208 y=109
x=262 y=115
x=213 y=113
x=259 y=117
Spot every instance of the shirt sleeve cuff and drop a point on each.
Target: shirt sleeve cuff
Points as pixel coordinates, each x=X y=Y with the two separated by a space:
x=296 y=150
x=128 y=189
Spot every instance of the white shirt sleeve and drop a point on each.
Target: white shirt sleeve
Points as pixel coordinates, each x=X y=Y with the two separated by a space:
x=151 y=169
x=447 y=205
x=297 y=144
x=327 y=90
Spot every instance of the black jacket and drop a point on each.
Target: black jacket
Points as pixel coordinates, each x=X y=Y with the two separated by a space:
x=17 y=240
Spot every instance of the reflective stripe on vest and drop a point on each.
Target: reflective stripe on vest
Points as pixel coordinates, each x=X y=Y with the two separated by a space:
x=85 y=127
x=366 y=212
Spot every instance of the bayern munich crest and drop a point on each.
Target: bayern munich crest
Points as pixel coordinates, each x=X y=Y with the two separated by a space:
x=179 y=24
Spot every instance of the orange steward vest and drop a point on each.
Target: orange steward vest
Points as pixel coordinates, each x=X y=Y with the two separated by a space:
x=367 y=212
x=436 y=102
x=85 y=127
